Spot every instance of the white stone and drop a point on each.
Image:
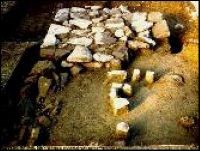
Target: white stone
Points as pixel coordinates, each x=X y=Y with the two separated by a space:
x=77 y=10
x=82 y=32
x=65 y=23
x=149 y=77
x=62 y=15
x=116 y=85
x=119 y=33
x=119 y=103
x=65 y=64
x=55 y=29
x=124 y=9
x=127 y=89
x=144 y=33
x=49 y=40
x=137 y=44
x=124 y=38
x=106 y=10
x=80 y=54
x=142 y=16
x=102 y=57
x=122 y=126
x=136 y=75
x=127 y=31
x=79 y=15
x=98 y=29
x=148 y=40
x=80 y=41
x=81 y=23
x=116 y=75
x=104 y=38
x=155 y=16
x=179 y=27
x=161 y=30
x=97 y=20
x=114 y=23
x=94 y=13
x=141 y=25
x=113 y=94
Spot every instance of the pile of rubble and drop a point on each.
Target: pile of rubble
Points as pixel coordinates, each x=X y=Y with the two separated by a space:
x=93 y=37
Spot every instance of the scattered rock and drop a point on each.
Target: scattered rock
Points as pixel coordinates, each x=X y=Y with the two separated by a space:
x=106 y=10
x=49 y=40
x=62 y=15
x=155 y=16
x=76 y=69
x=122 y=129
x=102 y=57
x=80 y=54
x=161 y=30
x=127 y=89
x=81 y=23
x=80 y=41
x=114 y=23
x=120 y=105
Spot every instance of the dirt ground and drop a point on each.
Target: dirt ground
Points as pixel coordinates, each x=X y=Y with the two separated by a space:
x=154 y=110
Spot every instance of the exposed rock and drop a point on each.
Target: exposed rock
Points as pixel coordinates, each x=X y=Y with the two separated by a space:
x=93 y=65
x=47 y=53
x=80 y=54
x=149 y=77
x=106 y=10
x=104 y=38
x=155 y=16
x=66 y=64
x=102 y=57
x=81 y=23
x=141 y=25
x=114 y=23
x=120 y=105
x=137 y=44
x=77 y=10
x=62 y=15
x=144 y=33
x=119 y=33
x=80 y=41
x=161 y=30
x=76 y=69
x=55 y=29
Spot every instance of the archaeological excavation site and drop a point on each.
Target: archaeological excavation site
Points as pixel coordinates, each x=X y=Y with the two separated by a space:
x=99 y=74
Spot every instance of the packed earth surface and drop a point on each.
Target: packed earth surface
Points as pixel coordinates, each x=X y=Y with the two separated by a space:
x=64 y=100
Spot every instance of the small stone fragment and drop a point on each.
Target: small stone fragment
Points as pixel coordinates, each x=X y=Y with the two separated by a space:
x=122 y=129
x=161 y=30
x=135 y=76
x=149 y=77
x=106 y=10
x=104 y=38
x=127 y=89
x=66 y=64
x=49 y=40
x=80 y=54
x=141 y=25
x=155 y=16
x=62 y=15
x=102 y=57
